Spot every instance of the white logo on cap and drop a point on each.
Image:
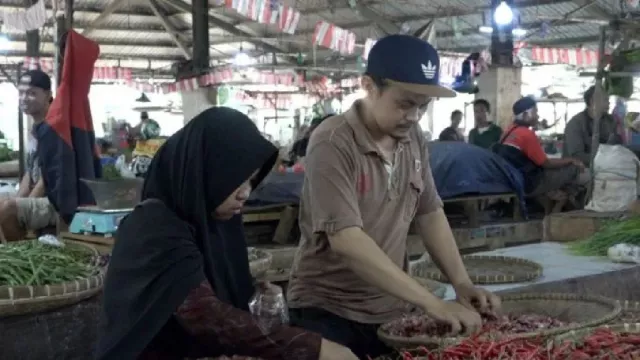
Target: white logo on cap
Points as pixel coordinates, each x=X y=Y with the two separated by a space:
x=429 y=70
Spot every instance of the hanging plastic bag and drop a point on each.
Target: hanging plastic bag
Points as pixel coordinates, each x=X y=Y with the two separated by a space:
x=269 y=307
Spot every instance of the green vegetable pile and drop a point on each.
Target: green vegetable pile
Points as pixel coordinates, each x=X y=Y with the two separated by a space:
x=109 y=172
x=36 y=263
x=625 y=231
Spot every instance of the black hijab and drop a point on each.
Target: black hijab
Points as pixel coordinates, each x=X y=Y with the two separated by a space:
x=170 y=243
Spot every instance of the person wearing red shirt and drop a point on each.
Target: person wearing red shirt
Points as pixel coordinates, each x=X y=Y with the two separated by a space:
x=552 y=181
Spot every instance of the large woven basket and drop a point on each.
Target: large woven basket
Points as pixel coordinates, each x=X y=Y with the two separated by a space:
x=579 y=334
x=630 y=313
x=26 y=299
x=581 y=310
x=259 y=262
x=485 y=269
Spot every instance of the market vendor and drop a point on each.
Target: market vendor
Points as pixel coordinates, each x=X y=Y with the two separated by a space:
x=178 y=284
x=30 y=209
x=579 y=130
x=367 y=178
x=552 y=181
x=485 y=133
x=452 y=133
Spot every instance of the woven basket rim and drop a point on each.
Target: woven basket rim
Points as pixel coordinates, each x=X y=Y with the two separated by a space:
x=535 y=272
x=580 y=333
x=30 y=288
x=413 y=342
x=629 y=305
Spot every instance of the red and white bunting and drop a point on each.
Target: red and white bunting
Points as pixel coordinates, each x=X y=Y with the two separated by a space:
x=107 y=73
x=216 y=77
x=264 y=101
x=577 y=57
x=288 y=20
x=335 y=38
x=267 y=12
x=368 y=44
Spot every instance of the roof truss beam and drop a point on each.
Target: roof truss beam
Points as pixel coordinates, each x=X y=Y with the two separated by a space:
x=171 y=30
x=113 y=6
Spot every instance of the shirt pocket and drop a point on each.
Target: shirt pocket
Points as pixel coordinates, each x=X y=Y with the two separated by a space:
x=412 y=195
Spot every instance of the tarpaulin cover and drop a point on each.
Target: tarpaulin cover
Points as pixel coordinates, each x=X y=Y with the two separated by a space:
x=66 y=140
x=278 y=188
x=463 y=169
x=458 y=169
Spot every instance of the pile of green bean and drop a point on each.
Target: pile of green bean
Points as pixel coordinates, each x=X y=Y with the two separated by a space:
x=36 y=263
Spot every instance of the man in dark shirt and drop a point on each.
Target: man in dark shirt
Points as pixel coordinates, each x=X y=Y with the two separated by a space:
x=485 y=133
x=579 y=130
x=452 y=133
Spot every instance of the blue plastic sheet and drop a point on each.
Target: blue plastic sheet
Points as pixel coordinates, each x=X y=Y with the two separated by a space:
x=278 y=188
x=458 y=169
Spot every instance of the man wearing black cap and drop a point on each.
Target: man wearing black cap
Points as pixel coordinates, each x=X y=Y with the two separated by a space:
x=31 y=209
x=579 y=130
x=553 y=181
x=367 y=177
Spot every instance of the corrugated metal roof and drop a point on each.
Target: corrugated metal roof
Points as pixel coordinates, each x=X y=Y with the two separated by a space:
x=132 y=31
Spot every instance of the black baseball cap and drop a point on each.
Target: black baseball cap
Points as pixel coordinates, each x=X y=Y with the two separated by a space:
x=408 y=62
x=524 y=104
x=36 y=78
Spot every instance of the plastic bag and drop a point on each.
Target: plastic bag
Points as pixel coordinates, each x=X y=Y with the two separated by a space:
x=269 y=307
x=50 y=240
x=121 y=166
x=624 y=253
x=616 y=179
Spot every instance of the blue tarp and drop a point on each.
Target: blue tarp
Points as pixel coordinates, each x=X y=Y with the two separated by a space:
x=278 y=188
x=462 y=169
x=458 y=169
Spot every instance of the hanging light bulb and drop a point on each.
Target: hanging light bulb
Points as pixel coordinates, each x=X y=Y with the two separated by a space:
x=503 y=14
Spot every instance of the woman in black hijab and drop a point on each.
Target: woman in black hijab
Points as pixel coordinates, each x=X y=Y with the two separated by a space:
x=178 y=284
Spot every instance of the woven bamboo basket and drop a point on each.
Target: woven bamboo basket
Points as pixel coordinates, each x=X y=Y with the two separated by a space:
x=259 y=262
x=581 y=311
x=630 y=313
x=577 y=335
x=26 y=299
x=485 y=269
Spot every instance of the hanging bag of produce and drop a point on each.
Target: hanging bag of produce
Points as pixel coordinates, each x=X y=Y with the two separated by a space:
x=269 y=307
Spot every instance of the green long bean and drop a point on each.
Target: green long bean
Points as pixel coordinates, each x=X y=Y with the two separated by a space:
x=36 y=263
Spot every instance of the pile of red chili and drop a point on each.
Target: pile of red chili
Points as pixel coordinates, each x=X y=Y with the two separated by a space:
x=602 y=344
x=413 y=326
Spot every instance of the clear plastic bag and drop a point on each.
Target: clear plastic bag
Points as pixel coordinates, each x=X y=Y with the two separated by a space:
x=269 y=307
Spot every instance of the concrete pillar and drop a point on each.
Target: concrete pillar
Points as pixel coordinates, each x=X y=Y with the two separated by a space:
x=501 y=87
x=197 y=101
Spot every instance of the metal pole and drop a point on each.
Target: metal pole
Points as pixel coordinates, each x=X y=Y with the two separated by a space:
x=21 y=152
x=599 y=111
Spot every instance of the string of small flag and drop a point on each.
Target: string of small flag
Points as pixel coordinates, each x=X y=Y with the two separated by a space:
x=267 y=12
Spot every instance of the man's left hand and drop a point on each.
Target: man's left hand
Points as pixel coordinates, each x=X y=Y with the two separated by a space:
x=477 y=298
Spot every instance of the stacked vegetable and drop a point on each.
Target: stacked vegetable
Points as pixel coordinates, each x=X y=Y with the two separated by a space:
x=36 y=263
x=625 y=231
x=601 y=343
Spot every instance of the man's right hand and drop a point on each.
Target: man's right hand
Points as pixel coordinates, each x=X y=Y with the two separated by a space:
x=330 y=350
x=460 y=319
